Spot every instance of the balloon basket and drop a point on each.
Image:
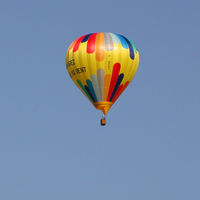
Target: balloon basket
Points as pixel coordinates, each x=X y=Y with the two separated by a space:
x=103 y=121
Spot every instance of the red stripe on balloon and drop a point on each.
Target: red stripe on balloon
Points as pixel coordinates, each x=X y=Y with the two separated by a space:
x=91 y=43
x=117 y=93
x=115 y=74
x=77 y=43
x=120 y=90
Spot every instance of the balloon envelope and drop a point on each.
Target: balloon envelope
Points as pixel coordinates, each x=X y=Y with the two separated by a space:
x=102 y=65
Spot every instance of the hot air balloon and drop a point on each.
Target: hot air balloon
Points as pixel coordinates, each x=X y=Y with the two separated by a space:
x=102 y=65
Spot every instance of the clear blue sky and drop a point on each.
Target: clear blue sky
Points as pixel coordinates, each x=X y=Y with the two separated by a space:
x=51 y=143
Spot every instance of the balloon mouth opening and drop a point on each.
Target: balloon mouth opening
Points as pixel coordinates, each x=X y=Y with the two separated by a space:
x=104 y=106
